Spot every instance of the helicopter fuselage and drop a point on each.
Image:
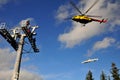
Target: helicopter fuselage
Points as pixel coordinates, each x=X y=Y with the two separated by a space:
x=82 y=19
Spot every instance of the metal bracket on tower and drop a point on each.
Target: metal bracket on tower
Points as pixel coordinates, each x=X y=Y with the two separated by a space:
x=5 y=33
x=30 y=33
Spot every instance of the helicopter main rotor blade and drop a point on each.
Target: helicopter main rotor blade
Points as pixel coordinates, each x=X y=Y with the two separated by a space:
x=91 y=7
x=72 y=3
x=93 y=16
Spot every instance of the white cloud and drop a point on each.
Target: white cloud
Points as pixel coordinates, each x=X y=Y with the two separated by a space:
x=105 y=43
x=118 y=45
x=4 y=2
x=7 y=60
x=25 y=59
x=58 y=76
x=62 y=12
x=24 y=75
x=5 y=75
x=23 y=22
x=78 y=34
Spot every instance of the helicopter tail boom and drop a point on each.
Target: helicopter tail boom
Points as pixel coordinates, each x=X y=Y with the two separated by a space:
x=101 y=21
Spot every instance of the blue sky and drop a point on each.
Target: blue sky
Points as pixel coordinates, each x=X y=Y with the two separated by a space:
x=63 y=44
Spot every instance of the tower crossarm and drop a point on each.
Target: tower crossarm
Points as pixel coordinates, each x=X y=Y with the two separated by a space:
x=9 y=38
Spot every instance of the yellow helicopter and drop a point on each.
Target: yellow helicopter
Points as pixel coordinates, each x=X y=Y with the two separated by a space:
x=83 y=18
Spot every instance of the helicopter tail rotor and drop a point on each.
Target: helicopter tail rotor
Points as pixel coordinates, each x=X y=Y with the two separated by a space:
x=103 y=21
